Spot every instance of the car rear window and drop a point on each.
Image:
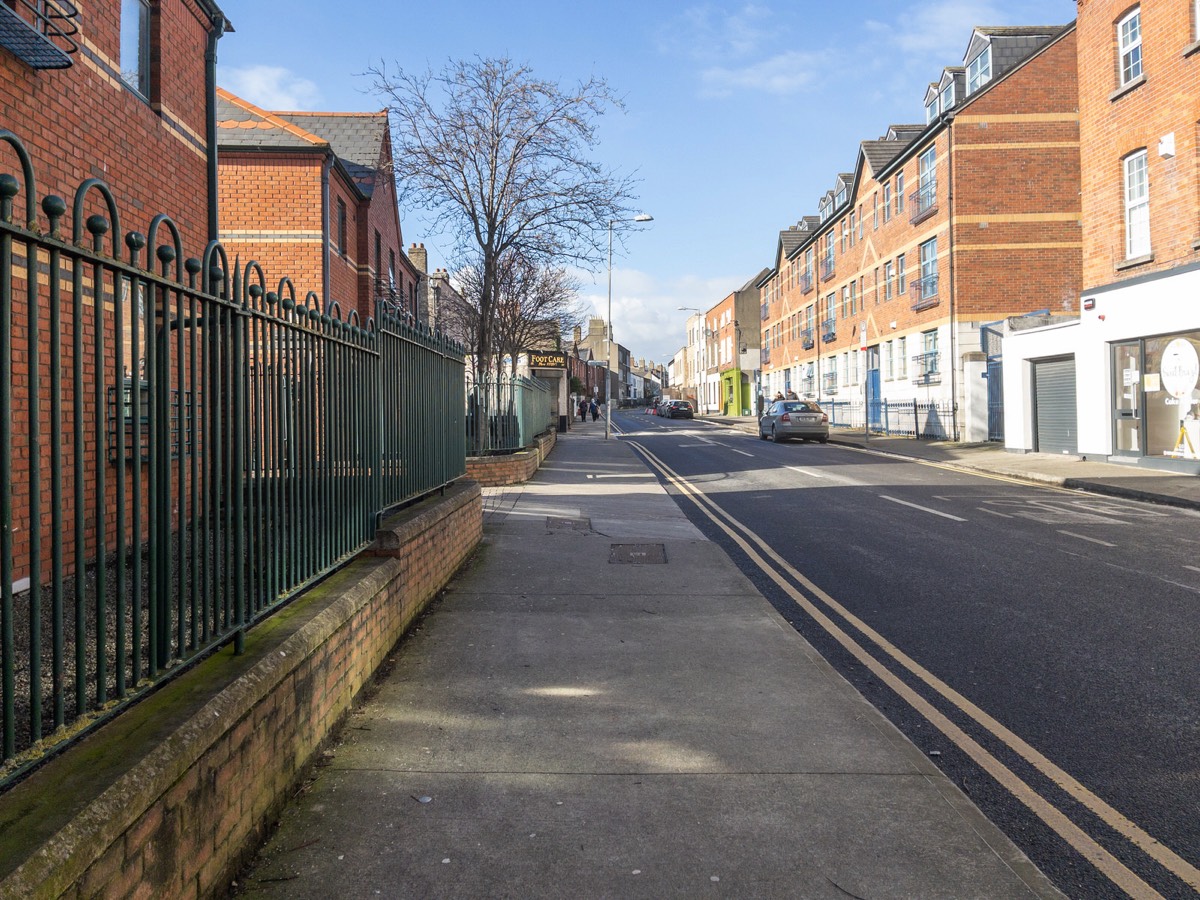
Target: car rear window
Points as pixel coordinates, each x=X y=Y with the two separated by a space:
x=802 y=406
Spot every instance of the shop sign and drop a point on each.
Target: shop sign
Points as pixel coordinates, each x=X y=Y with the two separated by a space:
x=547 y=359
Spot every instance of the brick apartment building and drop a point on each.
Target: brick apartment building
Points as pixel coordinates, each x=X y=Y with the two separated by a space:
x=150 y=67
x=939 y=228
x=1121 y=380
x=311 y=196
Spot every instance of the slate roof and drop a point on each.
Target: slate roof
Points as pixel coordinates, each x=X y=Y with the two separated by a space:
x=356 y=139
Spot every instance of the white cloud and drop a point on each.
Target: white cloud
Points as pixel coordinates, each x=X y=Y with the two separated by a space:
x=646 y=314
x=271 y=87
x=709 y=32
x=784 y=74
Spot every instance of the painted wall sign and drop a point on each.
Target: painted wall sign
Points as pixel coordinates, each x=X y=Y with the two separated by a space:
x=1180 y=368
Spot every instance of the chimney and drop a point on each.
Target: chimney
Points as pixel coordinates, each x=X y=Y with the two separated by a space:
x=578 y=334
x=419 y=258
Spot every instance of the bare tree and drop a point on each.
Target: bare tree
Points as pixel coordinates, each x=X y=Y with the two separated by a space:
x=501 y=158
x=536 y=306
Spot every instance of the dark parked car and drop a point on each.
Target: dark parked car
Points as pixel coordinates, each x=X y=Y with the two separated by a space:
x=785 y=419
x=677 y=409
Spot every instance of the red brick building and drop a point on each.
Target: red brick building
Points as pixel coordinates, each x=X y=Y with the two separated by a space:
x=939 y=228
x=1125 y=377
x=310 y=196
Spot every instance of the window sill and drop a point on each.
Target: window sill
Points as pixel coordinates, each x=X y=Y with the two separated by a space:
x=1191 y=48
x=1135 y=262
x=1196 y=244
x=1126 y=88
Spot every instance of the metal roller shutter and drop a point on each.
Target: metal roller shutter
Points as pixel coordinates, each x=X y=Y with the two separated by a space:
x=1054 y=399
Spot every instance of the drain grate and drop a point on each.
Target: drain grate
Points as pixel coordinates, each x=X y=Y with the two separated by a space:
x=637 y=554
x=558 y=523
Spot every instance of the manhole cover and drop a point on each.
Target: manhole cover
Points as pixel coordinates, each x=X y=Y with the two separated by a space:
x=637 y=554
x=562 y=524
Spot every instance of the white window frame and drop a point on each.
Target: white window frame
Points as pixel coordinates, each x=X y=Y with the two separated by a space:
x=889 y=270
x=901 y=357
x=1136 y=182
x=1129 y=46
x=888 y=360
x=899 y=193
x=1196 y=20
x=946 y=97
x=929 y=261
x=887 y=195
x=979 y=72
x=901 y=281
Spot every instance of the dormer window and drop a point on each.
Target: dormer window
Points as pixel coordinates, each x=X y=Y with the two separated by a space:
x=979 y=72
x=946 y=96
x=1129 y=36
x=841 y=197
x=931 y=110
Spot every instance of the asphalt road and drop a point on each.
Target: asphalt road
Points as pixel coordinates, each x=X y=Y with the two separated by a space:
x=1040 y=644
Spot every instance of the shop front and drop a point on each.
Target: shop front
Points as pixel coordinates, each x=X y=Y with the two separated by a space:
x=1156 y=400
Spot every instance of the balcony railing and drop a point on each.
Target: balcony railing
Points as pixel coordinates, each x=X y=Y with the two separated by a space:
x=806 y=384
x=764 y=357
x=925 y=290
x=829 y=330
x=806 y=281
x=829 y=383
x=806 y=338
x=827 y=267
x=41 y=34
x=922 y=203
x=765 y=312
x=926 y=367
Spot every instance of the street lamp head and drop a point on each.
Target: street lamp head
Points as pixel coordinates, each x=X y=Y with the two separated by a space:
x=643 y=217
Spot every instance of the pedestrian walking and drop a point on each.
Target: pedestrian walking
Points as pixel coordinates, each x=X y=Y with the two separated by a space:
x=594 y=410
x=583 y=407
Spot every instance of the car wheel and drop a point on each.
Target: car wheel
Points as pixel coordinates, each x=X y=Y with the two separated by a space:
x=824 y=440
x=762 y=435
x=775 y=435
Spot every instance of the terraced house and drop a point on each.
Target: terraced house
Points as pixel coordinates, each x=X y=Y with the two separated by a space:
x=875 y=304
x=334 y=226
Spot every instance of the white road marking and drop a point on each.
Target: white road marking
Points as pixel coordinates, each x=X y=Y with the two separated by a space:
x=994 y=513
x=743 y=452
x=1084 y=537
x=922 y=508
x=805 y=472
x=1193 y=568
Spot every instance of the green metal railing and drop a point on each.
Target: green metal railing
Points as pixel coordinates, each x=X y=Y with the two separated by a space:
x=181 y=451
x=504 y=414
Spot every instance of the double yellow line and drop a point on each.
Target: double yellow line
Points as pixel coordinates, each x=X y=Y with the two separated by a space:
x=787 y=577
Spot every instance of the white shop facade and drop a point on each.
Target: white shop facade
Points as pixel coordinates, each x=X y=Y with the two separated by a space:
x=1121 y=383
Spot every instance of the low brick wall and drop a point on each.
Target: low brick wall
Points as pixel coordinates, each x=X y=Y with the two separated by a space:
x=169 y=798
x=512 y=468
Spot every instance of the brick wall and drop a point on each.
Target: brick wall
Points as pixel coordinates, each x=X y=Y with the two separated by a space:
x=1114 y=124
x=83 y=122
x=171 y=797
x=511 y=468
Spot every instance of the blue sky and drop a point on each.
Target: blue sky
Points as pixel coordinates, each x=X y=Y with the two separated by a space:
x=738 y=115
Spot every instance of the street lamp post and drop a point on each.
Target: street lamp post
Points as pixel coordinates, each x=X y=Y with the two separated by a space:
x=640 y=217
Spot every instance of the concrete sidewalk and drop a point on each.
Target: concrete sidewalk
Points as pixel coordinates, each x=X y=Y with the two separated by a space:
x=1113 y=479
x=580 y=717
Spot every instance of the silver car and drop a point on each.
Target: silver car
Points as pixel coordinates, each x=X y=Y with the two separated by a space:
x=785 y=419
